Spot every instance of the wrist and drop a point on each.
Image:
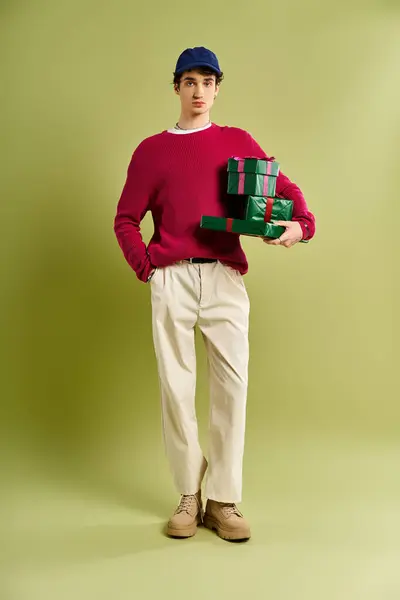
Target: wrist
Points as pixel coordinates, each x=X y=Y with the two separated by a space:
x=304 y=230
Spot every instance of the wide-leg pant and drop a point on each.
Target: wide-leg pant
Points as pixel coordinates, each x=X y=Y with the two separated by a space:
x=213 y=297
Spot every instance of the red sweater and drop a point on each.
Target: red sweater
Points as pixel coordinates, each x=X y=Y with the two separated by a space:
x=179 y=178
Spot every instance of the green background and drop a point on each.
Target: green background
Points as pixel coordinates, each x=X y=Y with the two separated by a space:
x=85 y=485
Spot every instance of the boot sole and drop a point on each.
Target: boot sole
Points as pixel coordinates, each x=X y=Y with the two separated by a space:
x=237 y=536
x=182 y=533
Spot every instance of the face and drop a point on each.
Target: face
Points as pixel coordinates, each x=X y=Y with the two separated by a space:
x=197 y=92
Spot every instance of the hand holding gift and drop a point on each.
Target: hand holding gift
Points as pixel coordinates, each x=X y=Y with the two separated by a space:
x=293 y=234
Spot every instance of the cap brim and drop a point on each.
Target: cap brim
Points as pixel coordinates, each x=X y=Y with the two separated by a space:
x=191 y=66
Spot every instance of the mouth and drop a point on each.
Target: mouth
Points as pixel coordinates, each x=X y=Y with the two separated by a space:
x=198 y=103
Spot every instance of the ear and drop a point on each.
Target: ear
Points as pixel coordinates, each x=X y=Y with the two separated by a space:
x=176 y=89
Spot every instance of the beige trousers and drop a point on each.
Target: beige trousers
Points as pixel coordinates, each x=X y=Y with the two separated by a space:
x=213 y=297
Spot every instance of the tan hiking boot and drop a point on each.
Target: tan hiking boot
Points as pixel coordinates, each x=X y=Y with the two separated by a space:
x=226 y=520
x=187 y=517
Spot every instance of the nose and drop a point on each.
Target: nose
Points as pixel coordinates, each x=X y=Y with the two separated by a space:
x=199 y=91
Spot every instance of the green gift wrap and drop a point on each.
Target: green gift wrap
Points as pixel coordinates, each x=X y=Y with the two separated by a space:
x=251 y=184
x=243 y=227
x=252 y=176
x=260 y=166
x=268 y=209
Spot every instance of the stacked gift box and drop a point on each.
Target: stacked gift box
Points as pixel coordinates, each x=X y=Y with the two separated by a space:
x=256 y=180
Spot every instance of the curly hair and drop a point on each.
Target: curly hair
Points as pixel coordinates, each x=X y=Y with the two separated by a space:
x=203 y=71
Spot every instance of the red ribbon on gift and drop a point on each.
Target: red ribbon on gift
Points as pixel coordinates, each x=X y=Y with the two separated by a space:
x=240 y=164
x=242 y=159
x=241 y=183
x=265 y=185
x=268 y=209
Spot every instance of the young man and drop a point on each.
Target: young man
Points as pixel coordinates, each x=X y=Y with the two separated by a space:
x=196 y=279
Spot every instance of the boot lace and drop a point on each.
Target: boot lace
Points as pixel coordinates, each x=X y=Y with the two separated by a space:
x=187 y=503
x=231 y=509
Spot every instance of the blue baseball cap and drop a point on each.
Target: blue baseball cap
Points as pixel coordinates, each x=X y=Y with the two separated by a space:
x=197 y=57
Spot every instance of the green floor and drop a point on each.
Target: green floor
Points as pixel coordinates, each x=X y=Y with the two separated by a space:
x=324 y=514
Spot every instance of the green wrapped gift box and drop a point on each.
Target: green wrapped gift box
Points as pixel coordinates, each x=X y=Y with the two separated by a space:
x=241 y=226
x=268 y=209
x=253 y=165
x=251 y=184
x=252 y=176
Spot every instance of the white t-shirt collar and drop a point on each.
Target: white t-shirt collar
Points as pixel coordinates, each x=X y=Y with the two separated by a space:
x=185 y=131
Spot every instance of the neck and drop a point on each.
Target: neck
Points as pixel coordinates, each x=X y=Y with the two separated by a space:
x=193 y=121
